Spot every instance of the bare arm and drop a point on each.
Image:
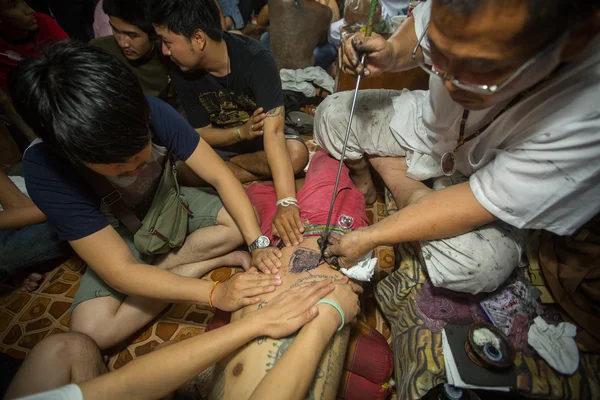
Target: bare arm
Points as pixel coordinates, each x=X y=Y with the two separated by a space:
x=306 y=351
x=13 y=116
x=10 y=195
x=108 y=255
x=439 y=214
x=277 y=154
x=210 y=167
x=394 y=54
x=219 y=137
x=403 y=42
x=17 y=218
x=19 y=210
x=160 y=373
x=314 y=337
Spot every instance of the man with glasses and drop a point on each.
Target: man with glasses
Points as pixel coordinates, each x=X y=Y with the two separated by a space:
x=506 y=139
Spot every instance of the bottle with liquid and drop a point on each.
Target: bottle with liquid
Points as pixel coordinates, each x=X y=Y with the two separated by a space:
x=411 y=6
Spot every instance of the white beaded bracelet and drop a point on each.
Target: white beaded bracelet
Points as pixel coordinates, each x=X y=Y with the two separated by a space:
x=288 y=201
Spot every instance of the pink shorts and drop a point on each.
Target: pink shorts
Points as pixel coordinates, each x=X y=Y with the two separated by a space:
x=314 y=199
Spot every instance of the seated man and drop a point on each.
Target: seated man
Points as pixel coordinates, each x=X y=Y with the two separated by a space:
x=92 y=116
x=134 y=42
x=225 y=83
x=507 y=134
x=238 y=375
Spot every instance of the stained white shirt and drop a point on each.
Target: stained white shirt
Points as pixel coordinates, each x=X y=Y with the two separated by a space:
x=537 y=165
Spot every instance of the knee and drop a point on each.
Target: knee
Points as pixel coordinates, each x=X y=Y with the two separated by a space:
x=475 y=262
x=298 y=154
x=327 y=113
x=70 y=345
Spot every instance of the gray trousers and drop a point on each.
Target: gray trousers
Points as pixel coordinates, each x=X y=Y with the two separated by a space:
x=477 y=261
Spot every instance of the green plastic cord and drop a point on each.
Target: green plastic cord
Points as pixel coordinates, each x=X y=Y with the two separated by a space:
x=372 y=12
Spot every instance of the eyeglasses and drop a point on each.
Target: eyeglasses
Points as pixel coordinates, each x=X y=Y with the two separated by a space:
x=475 y=88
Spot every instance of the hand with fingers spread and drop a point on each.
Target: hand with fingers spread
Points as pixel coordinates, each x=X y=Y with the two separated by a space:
x=379 y=54
x=266 y=260
x=254 y=126
x=243 y=289
x=347 y=250
x=292 y=309
x=288 y=226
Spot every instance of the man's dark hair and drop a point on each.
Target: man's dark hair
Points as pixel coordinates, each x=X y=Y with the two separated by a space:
x=547 y=19
x=134 y=12
x=84 y=103
x=184 y=17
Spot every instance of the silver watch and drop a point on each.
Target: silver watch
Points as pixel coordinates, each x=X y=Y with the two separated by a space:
x=260 y=243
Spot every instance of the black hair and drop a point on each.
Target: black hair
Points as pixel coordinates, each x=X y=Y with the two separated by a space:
x=184 y=17
x=134 y=12
x=547 y=20
x=85 y=104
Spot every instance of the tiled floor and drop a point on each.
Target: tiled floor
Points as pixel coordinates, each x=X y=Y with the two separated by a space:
x=27 y=318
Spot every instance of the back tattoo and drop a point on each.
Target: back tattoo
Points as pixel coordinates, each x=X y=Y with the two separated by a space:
x=304 y=260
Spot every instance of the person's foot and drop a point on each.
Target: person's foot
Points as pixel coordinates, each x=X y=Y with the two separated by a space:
x=365 y=184
x=32 y=282
x=361 y=176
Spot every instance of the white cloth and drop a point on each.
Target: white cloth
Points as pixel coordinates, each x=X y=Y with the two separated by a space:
x=555 y=344
x=304 y=80
x=68 y=392
x=537 y=165
x=363 y=270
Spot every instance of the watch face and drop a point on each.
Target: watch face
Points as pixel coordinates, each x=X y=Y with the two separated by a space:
x=262 y=242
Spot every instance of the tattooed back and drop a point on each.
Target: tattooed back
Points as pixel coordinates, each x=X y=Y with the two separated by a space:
x=236 y=377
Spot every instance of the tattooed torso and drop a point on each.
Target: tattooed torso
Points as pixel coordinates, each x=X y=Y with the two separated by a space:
x=238 y=375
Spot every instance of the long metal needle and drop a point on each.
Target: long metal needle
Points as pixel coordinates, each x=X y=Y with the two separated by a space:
x=343 y=154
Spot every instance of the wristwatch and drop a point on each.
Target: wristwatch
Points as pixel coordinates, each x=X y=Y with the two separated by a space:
x=260 y=243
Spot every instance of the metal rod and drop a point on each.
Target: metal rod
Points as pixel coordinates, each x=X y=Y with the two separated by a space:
x=339 y=172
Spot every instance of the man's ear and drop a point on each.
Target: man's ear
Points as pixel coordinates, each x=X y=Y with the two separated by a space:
x=198 y=38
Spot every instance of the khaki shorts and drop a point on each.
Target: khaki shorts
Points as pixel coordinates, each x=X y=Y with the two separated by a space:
x=204 y=203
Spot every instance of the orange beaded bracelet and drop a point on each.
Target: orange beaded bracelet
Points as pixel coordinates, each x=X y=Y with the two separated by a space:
x=210 y=295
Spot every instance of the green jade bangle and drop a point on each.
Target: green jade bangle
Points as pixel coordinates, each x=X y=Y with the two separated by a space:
x=337 y=307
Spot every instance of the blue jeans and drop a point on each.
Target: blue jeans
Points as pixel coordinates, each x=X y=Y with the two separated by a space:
x=324 y=53
x=32 y=245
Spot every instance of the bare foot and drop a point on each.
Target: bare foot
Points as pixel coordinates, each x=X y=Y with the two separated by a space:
x=365 y=184
x=31 y=282
x=361 y=176
x=237 y=258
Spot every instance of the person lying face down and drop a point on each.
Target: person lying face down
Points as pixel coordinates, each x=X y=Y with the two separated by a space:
x=242 y=374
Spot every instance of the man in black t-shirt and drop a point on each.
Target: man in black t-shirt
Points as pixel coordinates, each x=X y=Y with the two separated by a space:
x=231 y=91
x=91 y=114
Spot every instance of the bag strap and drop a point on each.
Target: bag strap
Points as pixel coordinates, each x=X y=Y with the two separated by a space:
x=112 y=199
